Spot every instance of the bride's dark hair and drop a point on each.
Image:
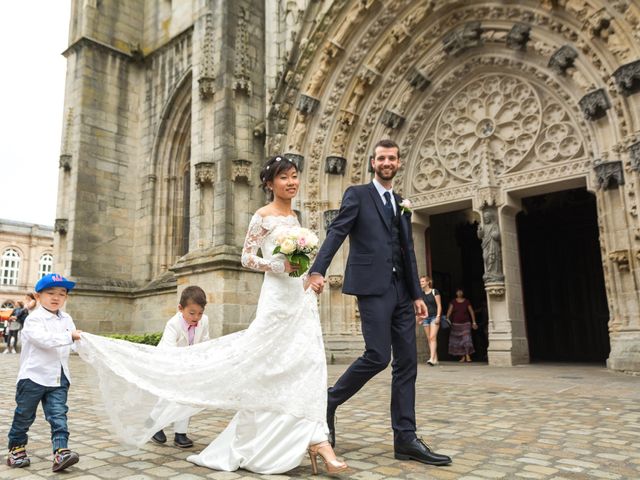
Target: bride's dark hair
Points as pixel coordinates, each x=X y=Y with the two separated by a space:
x=274 y=167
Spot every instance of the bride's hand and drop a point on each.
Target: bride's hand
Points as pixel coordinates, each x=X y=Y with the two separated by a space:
x=288 y=267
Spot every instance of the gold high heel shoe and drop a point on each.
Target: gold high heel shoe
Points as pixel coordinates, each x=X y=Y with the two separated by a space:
x=333 y=466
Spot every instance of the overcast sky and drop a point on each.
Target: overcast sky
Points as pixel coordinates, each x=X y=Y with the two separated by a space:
x=33 y=34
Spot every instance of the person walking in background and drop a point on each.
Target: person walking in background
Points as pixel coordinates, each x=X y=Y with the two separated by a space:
x=16 y=321
x=30 y=303
x=431 y=323
x=463 y=318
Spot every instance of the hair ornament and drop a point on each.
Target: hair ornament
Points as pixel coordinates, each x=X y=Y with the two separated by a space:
x=278 y=159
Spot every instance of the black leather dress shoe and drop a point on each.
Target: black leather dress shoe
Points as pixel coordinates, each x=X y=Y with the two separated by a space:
x=182 y=441
x=331 y=423
x=159 y=437
x=419 y=451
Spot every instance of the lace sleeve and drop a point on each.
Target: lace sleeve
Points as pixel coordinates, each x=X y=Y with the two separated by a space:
x=252 y=242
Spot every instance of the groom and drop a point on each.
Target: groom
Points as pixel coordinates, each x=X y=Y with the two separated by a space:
x=381 y=272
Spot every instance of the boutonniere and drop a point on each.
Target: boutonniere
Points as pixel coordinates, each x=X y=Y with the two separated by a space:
x=405 y=206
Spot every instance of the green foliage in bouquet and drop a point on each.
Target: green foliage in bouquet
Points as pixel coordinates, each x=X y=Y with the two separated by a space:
x=300 y=259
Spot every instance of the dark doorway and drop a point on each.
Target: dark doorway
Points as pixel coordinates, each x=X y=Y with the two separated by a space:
x=563 y=284
x=456 y=262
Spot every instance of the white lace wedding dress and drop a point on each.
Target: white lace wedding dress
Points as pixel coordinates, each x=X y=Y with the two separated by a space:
x=273 y=374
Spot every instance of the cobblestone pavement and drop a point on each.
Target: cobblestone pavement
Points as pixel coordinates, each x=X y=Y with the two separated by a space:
x=534 y=421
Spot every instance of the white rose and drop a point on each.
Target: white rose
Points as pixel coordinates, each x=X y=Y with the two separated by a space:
x=288 y=246
x=406 y=204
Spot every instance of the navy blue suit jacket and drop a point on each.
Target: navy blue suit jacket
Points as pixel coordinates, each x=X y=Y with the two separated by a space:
x=369 y=266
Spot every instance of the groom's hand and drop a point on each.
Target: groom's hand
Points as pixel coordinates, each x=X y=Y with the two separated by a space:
x=316 y=282
x=420 y=308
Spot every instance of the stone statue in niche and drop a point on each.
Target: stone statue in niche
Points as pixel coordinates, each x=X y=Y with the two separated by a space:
x=356 y=95
x=396 y=36
x=489 y=234
x=320 y=73
x=298 y=133
x=339 y=141
x=352 y=18
x=416 y=16
x=401 y=104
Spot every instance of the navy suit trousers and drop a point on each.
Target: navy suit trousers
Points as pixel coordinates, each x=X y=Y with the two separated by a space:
x=388 y=326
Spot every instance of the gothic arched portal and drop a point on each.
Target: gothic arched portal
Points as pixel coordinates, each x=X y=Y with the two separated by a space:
x=490 y=103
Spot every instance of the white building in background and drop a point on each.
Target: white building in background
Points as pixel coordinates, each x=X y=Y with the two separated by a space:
x=26 y=255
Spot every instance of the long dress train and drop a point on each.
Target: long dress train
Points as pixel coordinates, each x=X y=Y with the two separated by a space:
x=273 y=373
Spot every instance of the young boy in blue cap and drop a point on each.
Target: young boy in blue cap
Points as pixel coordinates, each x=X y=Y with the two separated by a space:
x=47 y=338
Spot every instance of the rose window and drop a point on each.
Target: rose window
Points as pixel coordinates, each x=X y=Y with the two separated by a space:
x=501 y=111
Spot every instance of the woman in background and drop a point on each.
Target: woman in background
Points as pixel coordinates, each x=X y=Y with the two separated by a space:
x=463 y=319
x=431 y=324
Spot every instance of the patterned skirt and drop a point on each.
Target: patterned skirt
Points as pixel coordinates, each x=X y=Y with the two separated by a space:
x=460 y=342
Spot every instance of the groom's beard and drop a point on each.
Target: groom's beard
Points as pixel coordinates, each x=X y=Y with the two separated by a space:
x=386 y=173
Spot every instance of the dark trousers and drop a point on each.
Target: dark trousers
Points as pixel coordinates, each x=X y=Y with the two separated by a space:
x=388 y=324
x=54 y=403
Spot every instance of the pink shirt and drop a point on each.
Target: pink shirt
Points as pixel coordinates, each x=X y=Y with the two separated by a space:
x=190 y=329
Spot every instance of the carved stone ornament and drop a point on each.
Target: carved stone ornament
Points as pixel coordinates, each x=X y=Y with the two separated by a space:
x=296 y=159
x=621 y=259
x=562 y=59
x=518 y=36
x=457 y=41
x=628 y=78
x=417 y=79
x=335 y=281
x=65 y=162
x=609 y=175
x=329 y=216
x=205 y=173
x=61 y=226
x=243 y=61
x=391 y=119
x=335 y=165
x=241 y=171
x=207 y=87
x=206 y=82
x=307 y=104
x=634 y=156
x=495 y=289
x=595 y=104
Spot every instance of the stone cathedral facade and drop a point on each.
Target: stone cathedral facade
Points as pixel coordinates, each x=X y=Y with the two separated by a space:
x=519 y=127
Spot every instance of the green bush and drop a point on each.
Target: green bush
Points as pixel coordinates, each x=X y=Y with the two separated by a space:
x=145 y=338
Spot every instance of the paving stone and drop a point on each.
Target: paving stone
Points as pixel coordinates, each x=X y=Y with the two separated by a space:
x=494 y=422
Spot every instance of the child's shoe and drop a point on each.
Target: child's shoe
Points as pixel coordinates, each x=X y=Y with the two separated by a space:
x=159 y=437
x=63 y=458
x=18 y=458
x=182 y=441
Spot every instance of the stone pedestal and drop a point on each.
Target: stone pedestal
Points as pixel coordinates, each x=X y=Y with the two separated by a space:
x=625 y=351
x=507 y=333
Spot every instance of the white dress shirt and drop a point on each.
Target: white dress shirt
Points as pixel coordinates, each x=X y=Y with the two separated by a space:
x=46 y=343
x=381 y=191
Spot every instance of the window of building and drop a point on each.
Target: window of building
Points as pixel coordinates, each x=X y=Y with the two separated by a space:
x=46 y=265
x=10 y=267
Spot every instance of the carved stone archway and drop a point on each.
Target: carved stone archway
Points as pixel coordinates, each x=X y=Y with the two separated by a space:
x=401 y=69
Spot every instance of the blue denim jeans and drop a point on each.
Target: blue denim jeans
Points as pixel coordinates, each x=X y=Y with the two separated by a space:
x=54 y=403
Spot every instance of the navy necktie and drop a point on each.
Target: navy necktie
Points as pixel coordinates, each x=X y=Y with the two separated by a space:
x=388 y=207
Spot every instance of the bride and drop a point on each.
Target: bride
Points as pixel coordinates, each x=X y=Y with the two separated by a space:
x=273 y=373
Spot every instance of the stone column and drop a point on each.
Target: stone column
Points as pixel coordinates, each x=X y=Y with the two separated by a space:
x=620 y=257
x=507 y=333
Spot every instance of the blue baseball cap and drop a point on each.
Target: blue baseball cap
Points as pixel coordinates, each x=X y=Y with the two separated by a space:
x=54 y=280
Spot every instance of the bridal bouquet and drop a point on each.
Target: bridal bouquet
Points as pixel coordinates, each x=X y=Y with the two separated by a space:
x=296 y=244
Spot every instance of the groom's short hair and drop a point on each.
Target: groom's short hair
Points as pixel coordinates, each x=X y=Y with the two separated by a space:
x=386 y=143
